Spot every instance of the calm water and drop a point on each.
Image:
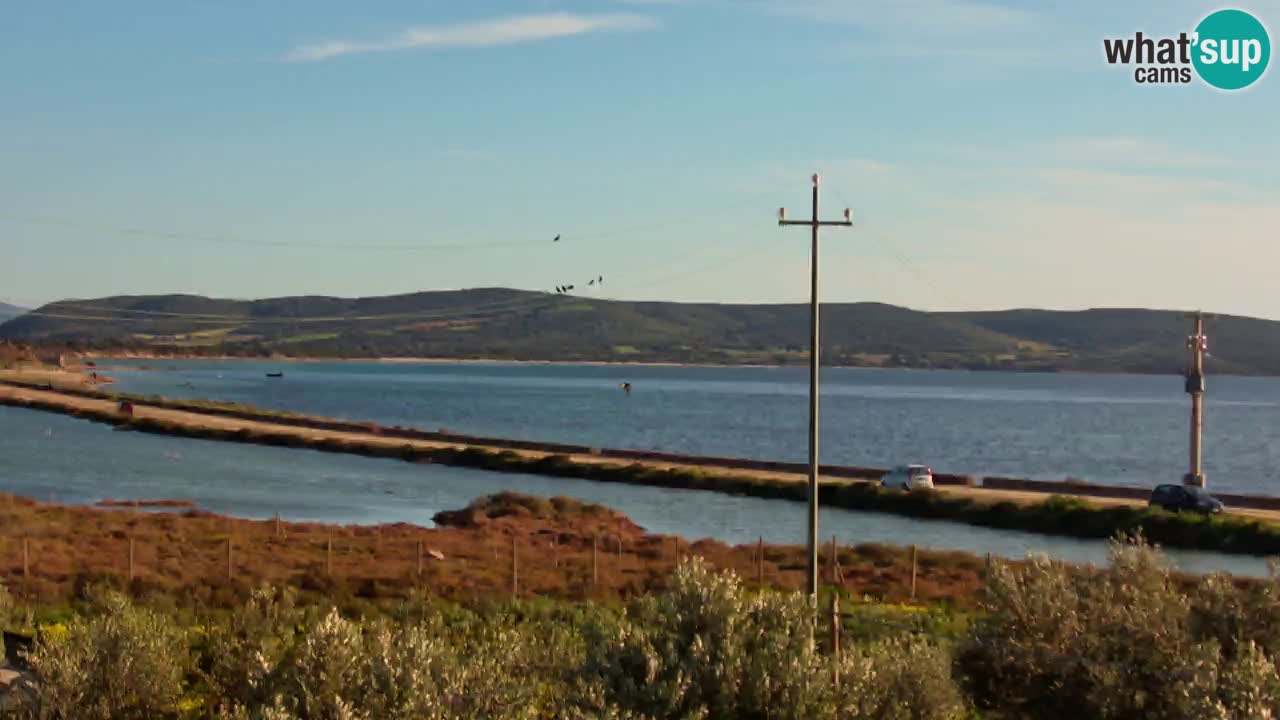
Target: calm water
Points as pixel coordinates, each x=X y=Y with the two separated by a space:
x=55 y=457
x=1120 y=429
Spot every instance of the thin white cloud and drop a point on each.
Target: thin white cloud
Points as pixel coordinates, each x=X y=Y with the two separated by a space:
x=481 y=34
x=1126 y=152
x=931 y=17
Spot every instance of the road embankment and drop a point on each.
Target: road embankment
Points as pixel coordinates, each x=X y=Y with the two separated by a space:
x=1027 y=507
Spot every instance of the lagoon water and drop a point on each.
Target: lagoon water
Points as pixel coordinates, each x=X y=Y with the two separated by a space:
x=1115 y=429
x=59 y=458
x=1106 y=428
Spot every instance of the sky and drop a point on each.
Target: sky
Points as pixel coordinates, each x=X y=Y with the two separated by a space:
x=990 y=155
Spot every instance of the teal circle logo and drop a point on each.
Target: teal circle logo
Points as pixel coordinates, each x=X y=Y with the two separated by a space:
x=1232 y=49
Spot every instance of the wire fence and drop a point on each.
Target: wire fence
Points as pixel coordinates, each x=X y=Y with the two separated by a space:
x=51 y=551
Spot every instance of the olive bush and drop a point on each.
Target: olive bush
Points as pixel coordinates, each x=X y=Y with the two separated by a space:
x=707 y=648
x=342 y=670
x=119 y=662
x=1129 y=641
x=242 y=655
x=897 y=679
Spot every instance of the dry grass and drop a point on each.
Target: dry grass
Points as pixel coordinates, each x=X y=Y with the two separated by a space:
x=185 y=555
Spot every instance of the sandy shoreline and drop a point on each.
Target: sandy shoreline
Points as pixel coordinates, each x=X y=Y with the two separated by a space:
x=578 y=363
x=440 y=361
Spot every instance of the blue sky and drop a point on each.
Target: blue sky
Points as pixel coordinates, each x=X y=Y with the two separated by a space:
x=992 y=158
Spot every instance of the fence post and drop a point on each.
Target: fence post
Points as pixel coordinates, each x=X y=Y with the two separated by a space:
x=328 y=555
x=419 y=559
x=26 y=559
x=987 y=571
x=837 y=577
x=555 y=553
x=515 y=569
x=279 y=529
x=131 y=559
x=835 y=639
x=619 y=539
x=230 y=561
x=760 y=562
x=913 y=572
x=595 y=563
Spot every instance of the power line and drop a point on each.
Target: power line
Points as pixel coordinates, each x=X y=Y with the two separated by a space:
x=697 y=215
x=912 y=268
x=384 y=247
x=229 y=240
x=717 y=241
x=736 y=257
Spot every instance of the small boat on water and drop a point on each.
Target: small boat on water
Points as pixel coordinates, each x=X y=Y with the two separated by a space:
x=275 y=374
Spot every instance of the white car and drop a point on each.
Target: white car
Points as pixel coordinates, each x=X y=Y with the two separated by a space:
x=909 y=477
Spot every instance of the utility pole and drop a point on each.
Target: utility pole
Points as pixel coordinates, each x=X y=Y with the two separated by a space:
x=814 y=360
x=1197 y=345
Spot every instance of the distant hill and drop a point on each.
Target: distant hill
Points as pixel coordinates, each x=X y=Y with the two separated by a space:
x=518 y=325
x=8 y=311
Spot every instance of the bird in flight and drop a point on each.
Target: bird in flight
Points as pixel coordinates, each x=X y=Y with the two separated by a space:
x=556 y=239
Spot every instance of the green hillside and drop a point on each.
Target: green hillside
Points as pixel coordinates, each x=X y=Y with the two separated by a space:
x=519 y=325
x=8 y=311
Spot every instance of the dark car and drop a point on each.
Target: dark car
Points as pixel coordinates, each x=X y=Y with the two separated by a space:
x=1185 y=498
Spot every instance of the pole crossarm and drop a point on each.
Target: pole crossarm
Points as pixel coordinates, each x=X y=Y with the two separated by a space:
x=814 y=223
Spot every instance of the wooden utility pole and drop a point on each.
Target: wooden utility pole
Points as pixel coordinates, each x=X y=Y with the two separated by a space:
x=595 y=563
x=1197 y=345
x=515 y=569
x=913 y=572
x=814 y=361
x=760 y=562
x=835 y=639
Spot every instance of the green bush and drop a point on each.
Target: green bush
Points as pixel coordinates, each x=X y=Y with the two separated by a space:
x=708 y=648
x=120 y=662
x=1125 y=642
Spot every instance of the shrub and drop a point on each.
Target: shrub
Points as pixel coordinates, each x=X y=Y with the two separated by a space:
x=1128 y=641
x=899 y=679
x=435 y=669
x=119 y=663
x=707 y=648
x=242 y=655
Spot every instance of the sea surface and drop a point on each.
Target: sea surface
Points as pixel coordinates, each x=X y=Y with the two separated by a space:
x=1115 y=429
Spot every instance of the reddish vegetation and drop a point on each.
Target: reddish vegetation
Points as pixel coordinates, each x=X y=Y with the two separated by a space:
x=187 y=554
x=109 y=503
